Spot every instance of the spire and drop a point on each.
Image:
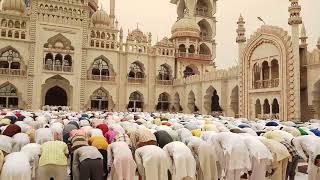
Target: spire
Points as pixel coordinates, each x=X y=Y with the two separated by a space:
x=241 y=38
x=303 y=36
x=294 y=11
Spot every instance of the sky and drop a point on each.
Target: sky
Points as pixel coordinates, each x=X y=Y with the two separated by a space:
x=157 y=17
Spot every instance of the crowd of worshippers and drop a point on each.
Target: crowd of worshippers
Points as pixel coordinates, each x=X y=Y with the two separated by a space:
x=63 y=145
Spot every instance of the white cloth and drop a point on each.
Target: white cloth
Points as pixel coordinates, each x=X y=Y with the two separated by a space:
x=182 y=163
x=16 y=167
x=20 y=139
x=43 y=135
x=6 y=143
x=153 y=162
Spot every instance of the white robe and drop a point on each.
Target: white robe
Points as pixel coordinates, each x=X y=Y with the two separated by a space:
x=182 y=163
x=16 y=167
x=153 y=162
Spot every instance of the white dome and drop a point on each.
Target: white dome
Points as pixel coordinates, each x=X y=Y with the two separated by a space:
x=185 y=24
x=100 y=17
x=13 y=5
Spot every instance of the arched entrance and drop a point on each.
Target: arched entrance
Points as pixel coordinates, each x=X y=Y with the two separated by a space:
x=56 y=96
x=212 y=101
x=176 y=104
x=163 y=102
x=57 y=91
x=192 y=102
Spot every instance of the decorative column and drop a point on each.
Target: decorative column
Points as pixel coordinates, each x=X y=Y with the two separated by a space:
x=294 y=88
x=241 y=40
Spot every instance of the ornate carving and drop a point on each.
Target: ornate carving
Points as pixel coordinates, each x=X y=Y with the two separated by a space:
x=59 y=42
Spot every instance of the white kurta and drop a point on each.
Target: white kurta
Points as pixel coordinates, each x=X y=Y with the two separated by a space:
x=16 y=167
x=182 y=163
x=153 y=162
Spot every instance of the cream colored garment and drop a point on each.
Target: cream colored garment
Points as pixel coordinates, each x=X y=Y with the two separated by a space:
x=153 y=162
x=182 y=163
x=121 y=161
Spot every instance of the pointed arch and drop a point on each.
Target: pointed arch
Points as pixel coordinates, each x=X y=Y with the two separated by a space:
x=165 y=72
x=163 y=102
x=101 y=69
x=258 y=112
x=136 y=102
x=235 y=101
x=204 y=8
x=204 y=49
x=136 y=70
x=192 y=102
x=59 y=41
x=190 y=70
x=8 y=96
x=176 y=103
x=205 y=30
x=101 y=100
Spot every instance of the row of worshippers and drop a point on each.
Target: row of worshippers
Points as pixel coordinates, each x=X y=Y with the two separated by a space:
x=177 y=146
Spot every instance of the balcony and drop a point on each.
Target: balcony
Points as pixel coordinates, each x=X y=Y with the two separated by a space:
x=202 y=12
x=262 y=84
x=12 y=72
x=199 y=57
x=58 y=68
x=101 y=78
x=132 y=80
x=164 y=82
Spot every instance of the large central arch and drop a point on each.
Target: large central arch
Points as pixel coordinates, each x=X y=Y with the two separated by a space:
x=56 y=91
x=56 y=96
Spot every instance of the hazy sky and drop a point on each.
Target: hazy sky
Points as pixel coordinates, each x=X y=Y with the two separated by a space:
x=157 y=17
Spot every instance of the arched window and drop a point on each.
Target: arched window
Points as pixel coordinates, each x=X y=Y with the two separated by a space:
x=10 y=33
x=16 y=35
x=67 y=63
x=8 y=96
x=275 y=107
x=274 y=73
x=192 y=102
x=48 y=60
x=58 y=62
x=17 y=25
x=205 y=30
x=163 y=102
x=182 y=48
x=188 y=72
x=136 y=71
x=265 y=74
x=92 y=34
x=203 y=8
x=99 y=100
x=258 y=108
x=3 y=33
x=4 y=23
x=100 y=69
x=192 y=49
x=164 y=73
x=10 y=62
x=135 y=102
x=256 y=76
x=204 y=49
x=266 y=107
x=23 y=35
x=176 y=104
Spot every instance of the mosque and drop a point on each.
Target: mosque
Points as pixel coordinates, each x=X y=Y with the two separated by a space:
x=71 y=53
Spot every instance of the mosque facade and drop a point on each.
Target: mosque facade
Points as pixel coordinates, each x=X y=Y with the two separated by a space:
x=71 y=53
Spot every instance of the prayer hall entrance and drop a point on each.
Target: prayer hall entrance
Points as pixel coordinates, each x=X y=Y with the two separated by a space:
x=56 y=91
x=135 y=102
x=56 y=96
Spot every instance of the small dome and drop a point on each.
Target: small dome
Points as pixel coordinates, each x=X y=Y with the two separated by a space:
x=13 y=5
x=185 y=24
x=185 y=27
x=100 y=17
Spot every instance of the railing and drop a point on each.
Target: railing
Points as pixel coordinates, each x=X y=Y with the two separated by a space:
x=164 y=82
x=136 y=80
x=268 y=116
x=101 y=78
x=261 y=84
x=51 y=67
x=12 y=72
x=193 y=56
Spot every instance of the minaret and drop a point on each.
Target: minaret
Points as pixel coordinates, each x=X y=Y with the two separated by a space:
x=121 y=39
x=112 y=10
x=241 y=40
x=294 y=21
x=303 y=37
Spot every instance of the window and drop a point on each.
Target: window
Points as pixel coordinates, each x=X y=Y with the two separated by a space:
x=8 y=96
x=135 y=102
x=100 y=67
x=10 y=58
x=99 y=100
x=164 y=73
x=188 y=72
x=163 y=102
x=136 y=71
